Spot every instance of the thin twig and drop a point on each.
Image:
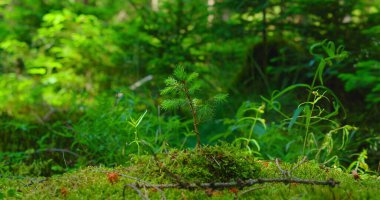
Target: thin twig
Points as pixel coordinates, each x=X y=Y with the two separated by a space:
x=141 y=82
x=177 y=178
x=298 y=164
x=283 y=172
x=57 y=150
x=288 y=173
x=136 y=188
x=249 y=182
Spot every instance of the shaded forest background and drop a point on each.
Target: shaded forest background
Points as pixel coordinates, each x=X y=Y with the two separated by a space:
x=73 y=73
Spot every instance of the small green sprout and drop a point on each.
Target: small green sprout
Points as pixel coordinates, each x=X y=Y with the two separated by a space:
x=181 y=89
x=135 y=124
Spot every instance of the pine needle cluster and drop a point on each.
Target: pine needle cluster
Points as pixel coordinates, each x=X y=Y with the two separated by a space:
x=181 y=91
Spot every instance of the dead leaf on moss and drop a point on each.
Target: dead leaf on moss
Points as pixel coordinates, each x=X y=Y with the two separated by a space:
x=64 y=191
x=355 y=174
x=113 y=177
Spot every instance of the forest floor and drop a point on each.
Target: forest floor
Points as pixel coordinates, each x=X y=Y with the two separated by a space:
x=148 y=176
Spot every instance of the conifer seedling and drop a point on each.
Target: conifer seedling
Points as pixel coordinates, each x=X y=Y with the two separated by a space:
x=181 y=91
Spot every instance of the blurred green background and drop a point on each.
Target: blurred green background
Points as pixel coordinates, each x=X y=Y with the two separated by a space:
x=74 y=72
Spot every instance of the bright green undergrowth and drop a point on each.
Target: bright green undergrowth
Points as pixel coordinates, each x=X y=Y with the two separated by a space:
x=208 y=163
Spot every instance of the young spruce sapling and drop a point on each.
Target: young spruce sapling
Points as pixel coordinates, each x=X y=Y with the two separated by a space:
x=181 y=91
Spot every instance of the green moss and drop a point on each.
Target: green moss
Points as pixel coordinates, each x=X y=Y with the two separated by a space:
x=211 y=163
x=93 y=182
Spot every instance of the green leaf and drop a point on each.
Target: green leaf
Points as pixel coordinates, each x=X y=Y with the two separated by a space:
x=295 y=116
x=308 y=115
x=141 y=117
x=288 y=89
x=249 y=141
x=329 y=49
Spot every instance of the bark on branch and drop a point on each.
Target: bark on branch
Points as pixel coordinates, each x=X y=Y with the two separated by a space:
x=222 y=185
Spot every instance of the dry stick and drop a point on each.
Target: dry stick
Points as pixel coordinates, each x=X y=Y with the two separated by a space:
x=141 y=82
x=37 y=182
x=180 y=184
x=298 y=164
x=221 y=185
x=136 y=188
x=177 y=178
x=288 y=173
x=58 y=150
x=283 y=172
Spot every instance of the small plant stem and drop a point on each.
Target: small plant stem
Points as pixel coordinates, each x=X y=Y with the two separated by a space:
x=194 y=113
x=137 y=141
x=305 y=140
x=312 y=86
x=252 y=127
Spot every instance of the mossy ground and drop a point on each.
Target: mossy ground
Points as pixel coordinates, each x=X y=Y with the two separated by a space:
x=212 y=164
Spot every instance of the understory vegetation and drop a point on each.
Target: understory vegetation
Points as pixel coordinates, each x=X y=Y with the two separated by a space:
x=183 y=99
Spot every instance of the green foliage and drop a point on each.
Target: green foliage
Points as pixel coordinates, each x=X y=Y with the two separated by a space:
x=92 y=183
x=108 y=132
x=312 y=117
x=183 y=87
x=365 y=77
x=218 y=163
x=49 y=71
x=61 y=63
x=102 y=133
x=360 y=164
x=135 y=124
x=246 y=127
x=31 y=163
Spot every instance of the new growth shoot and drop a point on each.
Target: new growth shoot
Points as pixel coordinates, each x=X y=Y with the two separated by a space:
x=181 y=89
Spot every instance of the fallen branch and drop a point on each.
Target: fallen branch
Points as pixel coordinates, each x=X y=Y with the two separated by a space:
x=221 y=185
x=141 y=82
